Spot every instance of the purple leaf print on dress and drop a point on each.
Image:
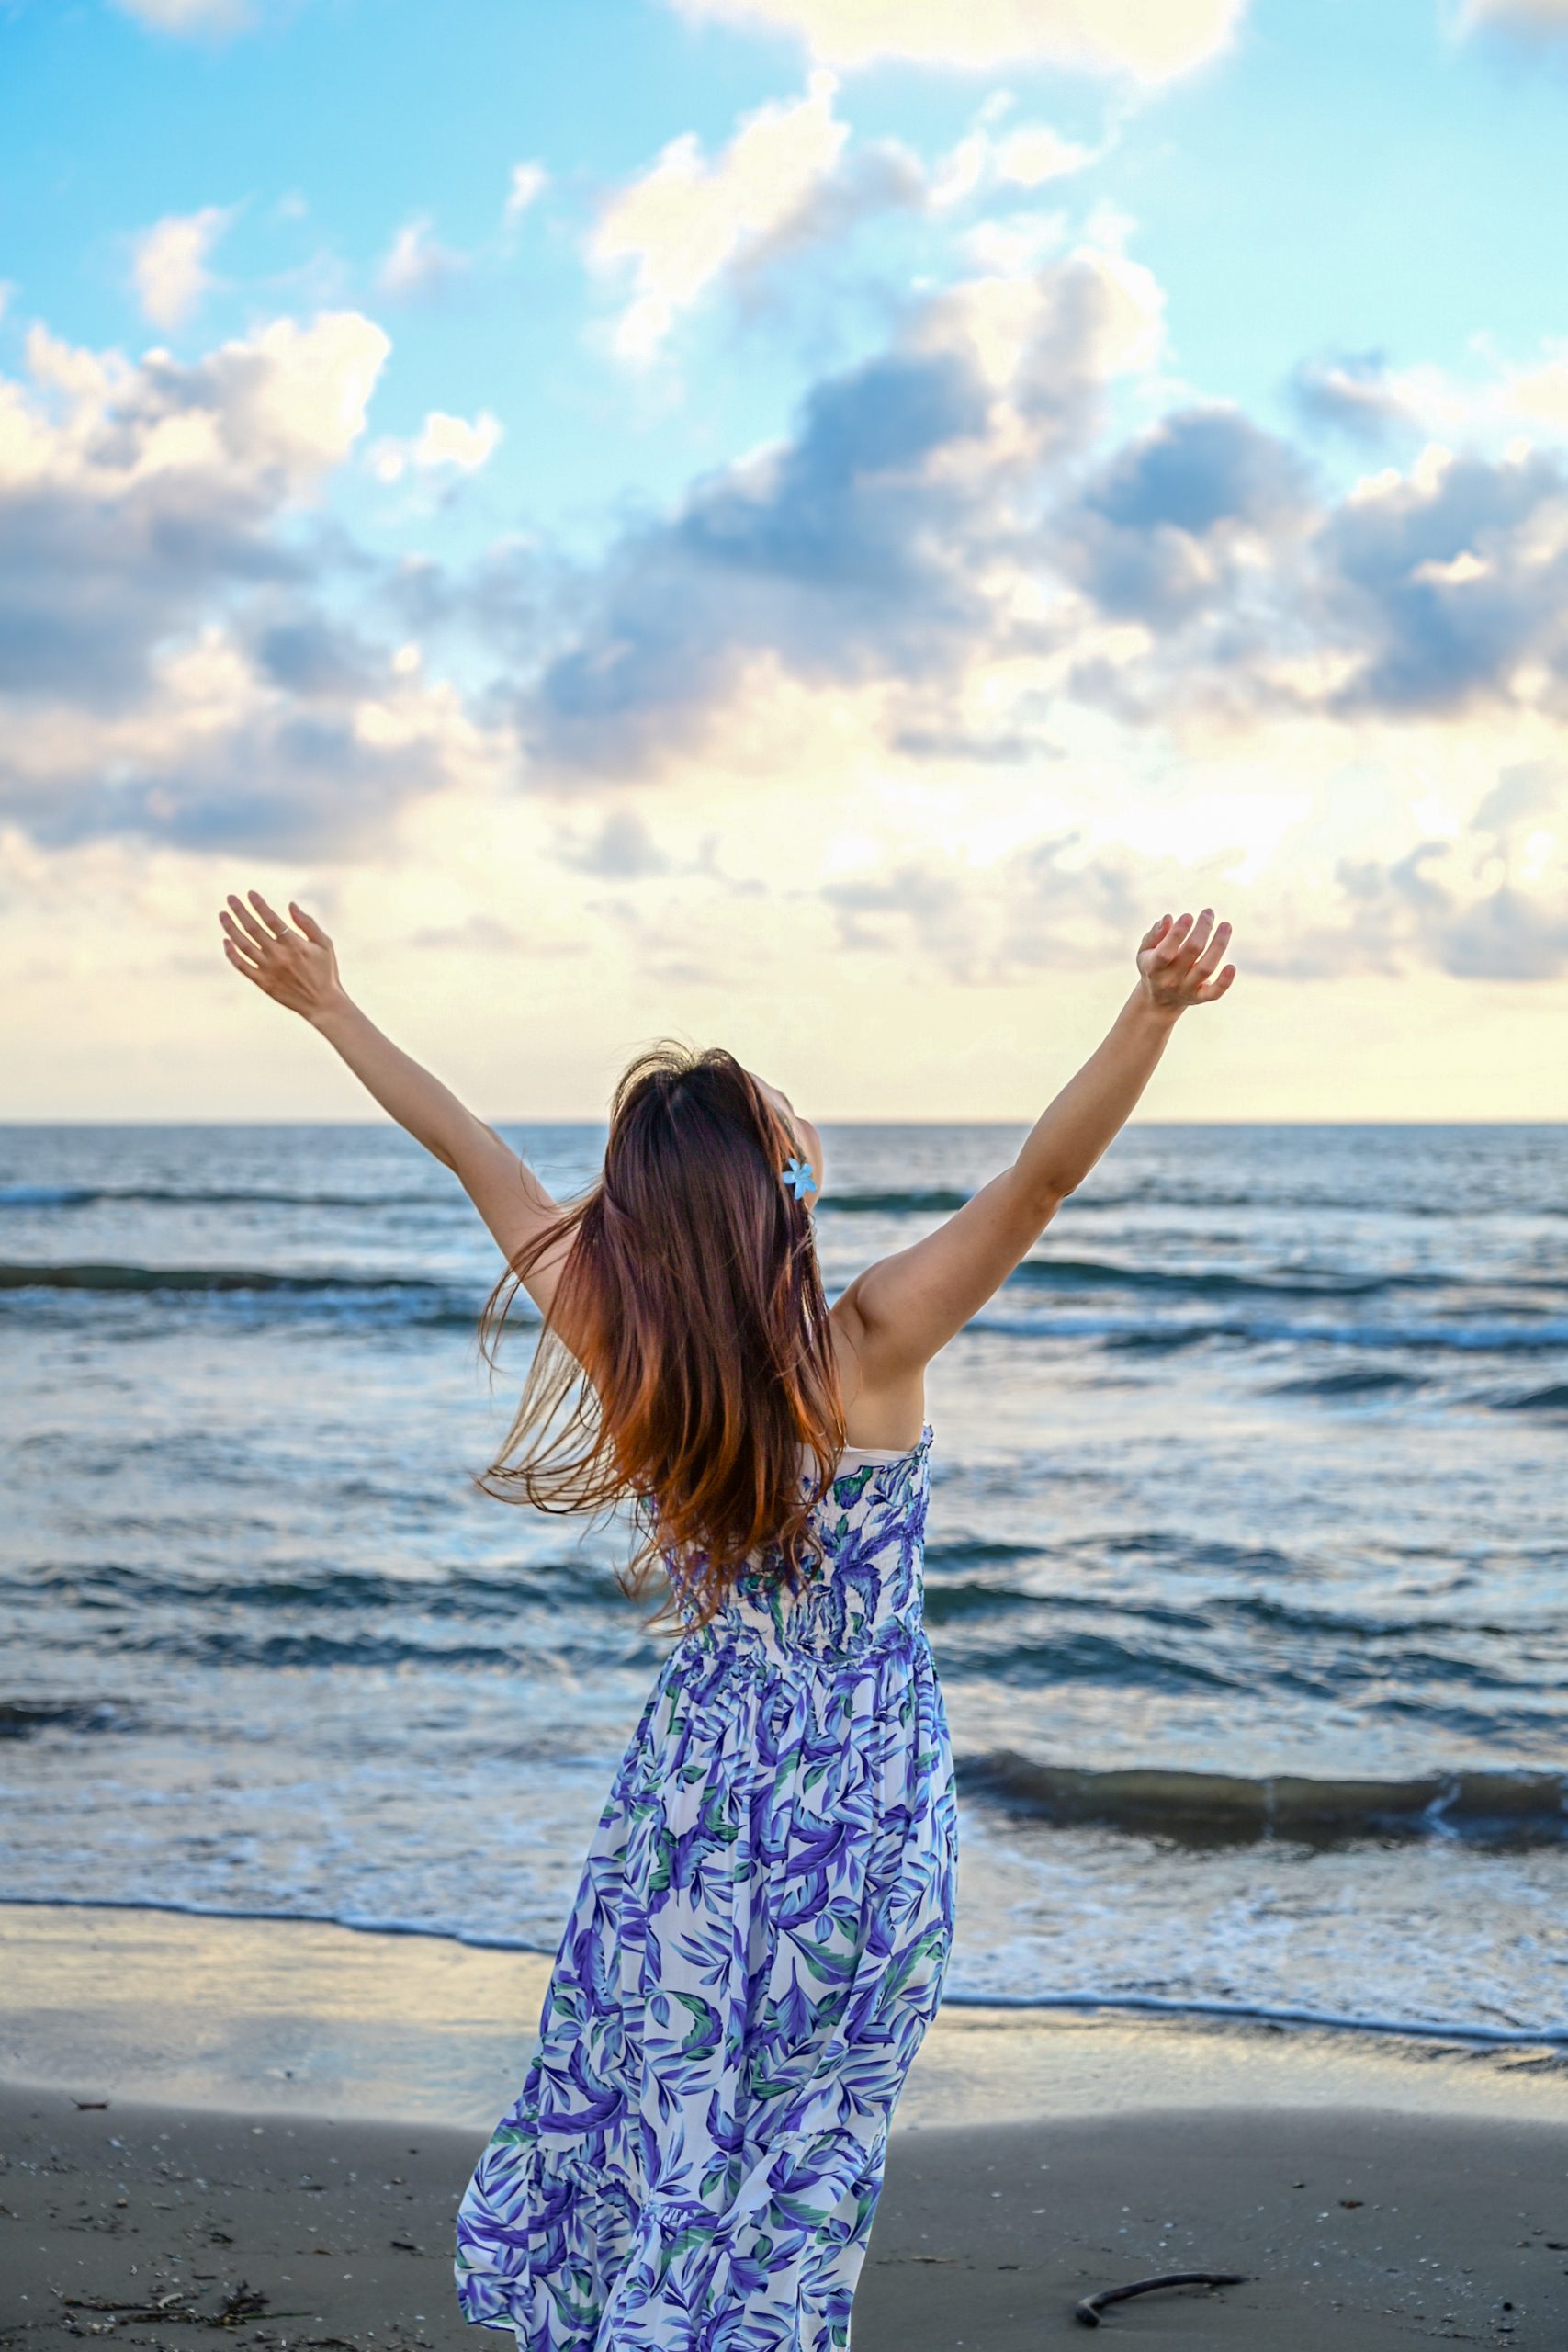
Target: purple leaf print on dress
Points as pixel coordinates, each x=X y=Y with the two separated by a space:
x=758 y=1943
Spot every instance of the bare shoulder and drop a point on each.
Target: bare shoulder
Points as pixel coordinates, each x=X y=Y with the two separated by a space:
x=885 y=1402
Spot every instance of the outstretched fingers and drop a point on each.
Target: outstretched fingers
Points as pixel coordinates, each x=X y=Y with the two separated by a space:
x=1170 y=946
x=236 y=938
x=1203 y=969
x=273 y=921
x=248 y=922
x=240 y=963
x=1197 y=939
x=1216 y=987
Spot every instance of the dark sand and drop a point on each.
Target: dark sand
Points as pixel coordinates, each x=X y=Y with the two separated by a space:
x=1358 y=2228
x=1378 y=2190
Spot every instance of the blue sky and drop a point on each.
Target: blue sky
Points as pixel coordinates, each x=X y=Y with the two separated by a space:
x=894 y=494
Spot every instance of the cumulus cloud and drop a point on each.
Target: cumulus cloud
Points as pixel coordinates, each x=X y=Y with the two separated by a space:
x=948 y=512
x=128 y=493
x=682 y=224
x=443 y=442
x=1428 y=592
x=876 y=541
x=416 y=267
x=1026 y=156
x=1360 y=395
x=169 y=262
x=791 y=180
x=1171 y=525
x=1449 y=586
x=1540 y=395
x=1150 y=40
x=1353 y=393
x=166 y=666
x=1490 y=903
x=218 y=755
x=1444 y=906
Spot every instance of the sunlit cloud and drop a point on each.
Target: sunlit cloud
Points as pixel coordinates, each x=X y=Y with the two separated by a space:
x=844 y=572
x=1150 y=40
x=1023 y=157
x=880 y=540
x=1361 y=395
x=675 y=230
x=791 y=183
x=169 y=262
x=452 y=443
x=168 y=667
x=416 y=265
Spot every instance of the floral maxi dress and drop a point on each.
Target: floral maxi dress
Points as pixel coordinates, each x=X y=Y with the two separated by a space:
x=758 y=1945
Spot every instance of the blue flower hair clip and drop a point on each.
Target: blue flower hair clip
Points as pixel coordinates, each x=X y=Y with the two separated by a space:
x=802 y=1176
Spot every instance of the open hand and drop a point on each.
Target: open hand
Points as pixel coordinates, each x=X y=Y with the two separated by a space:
x=1176 y=961
x=297 y=969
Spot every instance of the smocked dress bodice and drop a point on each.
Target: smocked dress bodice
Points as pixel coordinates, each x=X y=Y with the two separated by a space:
x=864 y=1587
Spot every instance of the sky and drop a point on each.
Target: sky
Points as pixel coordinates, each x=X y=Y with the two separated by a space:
x=803 y=524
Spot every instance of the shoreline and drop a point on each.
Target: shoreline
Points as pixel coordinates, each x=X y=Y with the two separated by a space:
x=1242 y=2015
x=270 y=2125
x=297 y=2017
x=305 y=2019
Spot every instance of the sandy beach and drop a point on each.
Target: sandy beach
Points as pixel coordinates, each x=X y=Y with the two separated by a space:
x=256 y=2169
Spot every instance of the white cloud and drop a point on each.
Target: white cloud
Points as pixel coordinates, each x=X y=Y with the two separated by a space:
x=165 y=666
x=895 y=534
x=1540 y=395
x=788 y=179
x=1149 y=39
x=303 y=392
x=442 y=441
x=1025 y=157
x=169 y=262
x=261 y=418
x=415 y=265
x=1035 y=153
x=685 y=221
x=1366 y=398
x=529 y=182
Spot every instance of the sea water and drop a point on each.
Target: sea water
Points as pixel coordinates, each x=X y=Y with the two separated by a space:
x=1247 y=1567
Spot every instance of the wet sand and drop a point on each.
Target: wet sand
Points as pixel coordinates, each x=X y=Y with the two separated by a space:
x=1375 y=2193
x=1355 y=2229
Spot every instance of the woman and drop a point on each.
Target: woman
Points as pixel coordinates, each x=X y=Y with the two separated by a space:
x=765 y=1918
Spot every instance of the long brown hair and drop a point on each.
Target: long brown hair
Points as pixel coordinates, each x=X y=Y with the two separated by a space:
x=687 y=1356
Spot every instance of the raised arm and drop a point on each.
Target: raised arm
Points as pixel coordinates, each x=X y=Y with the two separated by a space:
x=903 y=1309
x=298 y=969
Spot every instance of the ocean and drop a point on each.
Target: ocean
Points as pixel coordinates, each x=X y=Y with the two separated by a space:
x=1247 y=1576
